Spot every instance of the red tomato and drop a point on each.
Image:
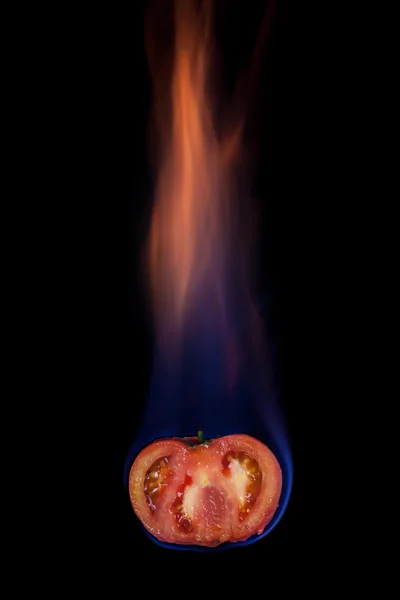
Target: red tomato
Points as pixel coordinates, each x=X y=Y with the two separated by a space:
x=205 y=494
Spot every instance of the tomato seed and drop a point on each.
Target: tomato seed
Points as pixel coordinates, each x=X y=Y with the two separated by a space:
x=155 y=481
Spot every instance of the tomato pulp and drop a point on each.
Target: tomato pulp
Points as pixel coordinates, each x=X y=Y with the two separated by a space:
x=186 y=491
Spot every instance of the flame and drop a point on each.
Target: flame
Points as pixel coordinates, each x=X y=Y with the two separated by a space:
x=211 y=369
x=190 y=228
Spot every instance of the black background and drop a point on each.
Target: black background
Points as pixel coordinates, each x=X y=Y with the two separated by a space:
x=106 y=329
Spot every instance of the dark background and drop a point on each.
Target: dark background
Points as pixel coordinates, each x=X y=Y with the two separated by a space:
x=108 y=184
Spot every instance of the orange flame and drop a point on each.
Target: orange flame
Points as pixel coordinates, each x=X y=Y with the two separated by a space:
x=198 y=242
x=189 y=228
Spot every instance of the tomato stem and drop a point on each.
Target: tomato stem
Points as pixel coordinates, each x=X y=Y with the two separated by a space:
x=194 y=441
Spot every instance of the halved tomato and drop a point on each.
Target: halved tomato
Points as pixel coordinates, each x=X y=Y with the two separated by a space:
x=190 y=491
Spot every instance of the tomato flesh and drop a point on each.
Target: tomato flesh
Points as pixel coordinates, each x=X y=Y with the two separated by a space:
x=205 y=494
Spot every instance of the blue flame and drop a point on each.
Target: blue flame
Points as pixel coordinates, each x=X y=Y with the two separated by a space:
x=192 y=394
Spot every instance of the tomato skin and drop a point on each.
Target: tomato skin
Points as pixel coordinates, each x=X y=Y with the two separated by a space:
x=198 y=485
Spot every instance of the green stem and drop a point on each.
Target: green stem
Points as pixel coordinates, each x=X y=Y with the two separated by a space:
x=200 y=436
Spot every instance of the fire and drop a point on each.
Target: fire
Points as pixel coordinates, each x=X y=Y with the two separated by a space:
x=210 y=369
x=189 y=235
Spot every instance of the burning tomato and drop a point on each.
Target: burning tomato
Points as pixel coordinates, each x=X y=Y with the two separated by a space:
x=191 y=491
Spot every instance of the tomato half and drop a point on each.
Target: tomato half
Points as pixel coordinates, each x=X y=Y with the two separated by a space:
x=186 y=492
